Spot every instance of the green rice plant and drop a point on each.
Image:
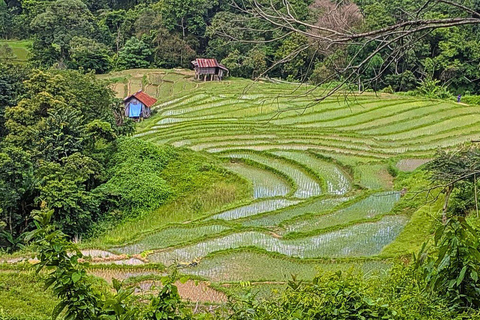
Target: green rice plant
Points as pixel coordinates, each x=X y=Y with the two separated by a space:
x=375 y=205
x=418 y=127
x=419 y=229
x=194 y=205
x=255 y=208
x=306 y=186
x=345 y=160
x=249 y=265
x=375 y=154
x=327 y=143
x=202 y=102
x=252 y=120
x=441 y=135
x=180 y=101
x=336 y=181
x=360 y=240
x=229 y=143
x=274 y=219
x=265 y=183
x=214 y=107
x=210 y=139
x=226 y=136
x=397 y=111
x=217 y=142
x=449 y=141
x=432 y=130
x=171 y=236
x=342 y=111
x=299 y=106
x=403 y=114
x=121 y=274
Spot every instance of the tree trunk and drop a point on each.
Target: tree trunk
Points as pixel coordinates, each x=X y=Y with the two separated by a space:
x=476 y=198
x=448 y=192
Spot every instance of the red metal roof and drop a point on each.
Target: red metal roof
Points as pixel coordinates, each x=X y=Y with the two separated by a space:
x=143 y=98
x=208 y=63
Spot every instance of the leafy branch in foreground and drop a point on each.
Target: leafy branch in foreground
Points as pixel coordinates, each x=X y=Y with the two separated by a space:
x=79 y=298
x=450 y=168
x=453 y=271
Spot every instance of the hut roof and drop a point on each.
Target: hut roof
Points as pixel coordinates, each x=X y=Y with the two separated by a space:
x=208 y=63
x=143 y=98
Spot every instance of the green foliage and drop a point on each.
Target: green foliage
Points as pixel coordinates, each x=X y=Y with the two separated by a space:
x=68 y=280
x=251 y=65
x=135 y=54
x=55 y=150
x=187 y=15
x=295 y=54
x=55 y=28
x=321 y=74
x=474 y=100
x=167 y=304
x=135 y=176
x=172 y=51
x=430 y=88
x=463 y=198
x=6 y=53
x=65 y=188
x=453 y=271
x=404 y=81
x=329 y=296
x=79 y=299
x=11 y=86
x=16 y=179
x=87 y=54
x=23 y=296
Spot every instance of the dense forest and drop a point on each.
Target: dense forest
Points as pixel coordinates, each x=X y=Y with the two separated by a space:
x=115 y=35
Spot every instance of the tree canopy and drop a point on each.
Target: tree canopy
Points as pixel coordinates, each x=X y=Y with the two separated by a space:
x=317 y=41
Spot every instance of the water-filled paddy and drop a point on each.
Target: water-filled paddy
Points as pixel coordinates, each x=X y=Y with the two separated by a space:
x=371 y=207
x=275 y=219
x=255 y=208
x=336 y=180
x=170 y=237
x=306 y=185
x=265 y=183
x=359 y=240
x=237 y=266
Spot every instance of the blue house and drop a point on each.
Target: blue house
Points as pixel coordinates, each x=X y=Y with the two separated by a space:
x=138 y=105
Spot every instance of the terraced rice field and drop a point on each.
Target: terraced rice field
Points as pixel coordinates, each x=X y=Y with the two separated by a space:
x=20 y=50
x=318 y=171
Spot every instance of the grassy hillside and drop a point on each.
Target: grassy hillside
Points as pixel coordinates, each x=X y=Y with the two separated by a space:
x=20 y=48
x=321 y=194
x=319 y=171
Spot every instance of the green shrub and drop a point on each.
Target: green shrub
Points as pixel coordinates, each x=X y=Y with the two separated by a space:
x=475 y=100
x=135 y=176
x=431 y=88
x=137 y=187
x=453 y=271
x=392 y=169
x=131 y=150
x=329 y=296
x=388 y=89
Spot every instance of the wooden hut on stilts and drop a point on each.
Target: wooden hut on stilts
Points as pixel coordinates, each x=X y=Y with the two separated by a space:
x=209 y=70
